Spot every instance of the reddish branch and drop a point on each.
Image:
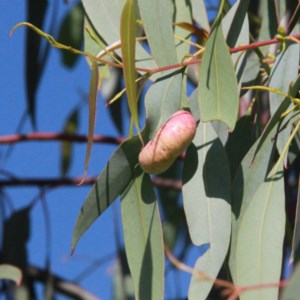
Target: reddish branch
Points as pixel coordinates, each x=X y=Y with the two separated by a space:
x=55 y=182
x=44 y=136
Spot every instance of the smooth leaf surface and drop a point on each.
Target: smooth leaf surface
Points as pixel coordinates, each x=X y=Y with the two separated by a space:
x=200 y=14
x=162 y=100
x=283 y=73
x=260 y=238
x=93 y=94
x=143 y=238
x=206 y=198
x=128 y=35
x=9 y=272
x=276 y=118
x=295 y=253
x=71 y=33
x=111 y=183
x=235 y=27
x=157 y=22
x=248 y=178
x=105 y=17
x=182 y=13
x=218 y=89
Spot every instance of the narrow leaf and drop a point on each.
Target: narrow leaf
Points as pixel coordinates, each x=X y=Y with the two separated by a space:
x=162 y=100
x=218 y=89
x=283 y=73
x=248 y=177
x=71 y=33
x=92 y=112
x=206 y=198
x=9 y=272
x=235 y=27
x=111 y=183
x=158 y=24
x=295 y=255
x=128 y=35
x=70 y=127
x=276 y=118
x=200 y=13
x=143 y=238
x=182 y=15
x=260 y=238
x=103 y=12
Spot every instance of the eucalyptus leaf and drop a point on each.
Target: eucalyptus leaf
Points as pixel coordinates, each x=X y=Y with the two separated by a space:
x=93 y=94
x=248 y=177
x=111 y=183
x=200 y=14
x=143 y=237
x=162 y=99
x=218 y=89
x=70 y=127
x=260 y=238
x=283 y=73
x=206 y=199
x=105 y=17
x=182 y=13
x=9 y=272
x=71 y=33
x=157 y=22
x=128 y=36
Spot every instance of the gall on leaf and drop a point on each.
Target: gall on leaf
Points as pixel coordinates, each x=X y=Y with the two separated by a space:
x=168 y=142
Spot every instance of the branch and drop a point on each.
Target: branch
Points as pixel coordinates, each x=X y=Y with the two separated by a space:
x=55 y=182
x=60 y=285
x=44 y=136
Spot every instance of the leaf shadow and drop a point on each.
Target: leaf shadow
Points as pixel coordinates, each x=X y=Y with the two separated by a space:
x=146 y=276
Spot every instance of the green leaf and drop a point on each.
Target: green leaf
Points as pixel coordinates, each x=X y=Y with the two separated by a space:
x=206 y=199
x=158 y=24
x=111 y=183
x=240 y=142
x=182 y=13
x=235 y=27
x=162 y=99
x=283 y=73
x=295 y=255
x=92 y=112
x=9 y=272
x=71 y=33
x=260 y=238
x=248 y=178
x=218 y=90
x=276 y=118
x=200 y=14
x=70 y=127
x=235 y=24
x=291 y=291
x=105 y=17
x=143 y=238
x=128 y=35
x=268 y=29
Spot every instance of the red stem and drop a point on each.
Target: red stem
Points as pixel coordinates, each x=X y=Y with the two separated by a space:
x=44 y=136
x=54 y=182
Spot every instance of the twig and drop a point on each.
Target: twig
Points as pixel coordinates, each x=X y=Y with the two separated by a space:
x=61 y=285
x=45 y=136
x=55 y=182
